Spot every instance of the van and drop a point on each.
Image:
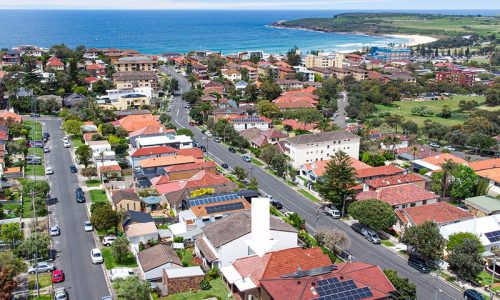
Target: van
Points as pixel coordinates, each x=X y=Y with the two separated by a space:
x=332 y=211
x=418 y=263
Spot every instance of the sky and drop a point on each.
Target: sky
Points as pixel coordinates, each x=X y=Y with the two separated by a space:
x=252 y=4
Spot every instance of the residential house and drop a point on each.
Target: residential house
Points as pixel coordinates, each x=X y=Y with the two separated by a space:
x=108 y=170
x=401 y=196
x=182 y=279
x=379 y=172
x=101 y=150
x=313 y=170
x=55 y=64
x=129 y=101
x=125 y=200
x=136 y=156
x=394 y=180
x=241 y=123
x=252 y=72
x=244 y=275
x=243 y=234
x=482 y=206
x=320 y=146
x=199 y=70
x=290 y=84
x=434 y=163
x=9 y=116
x=297 y=125
x=154 y=166
x=347 y=278
x=441 y=213
x=139 y=227
x=135 y=63
x=259 y=138
x=227 y=113
x=28 y=50
x=240 y=85
x=186 y=171
x=295 y=99
x=487 y=229
x=232 y=75
x=96 y=70
x=490 y=170
x=174 y=141
x=136 y=79
x=133 y=123
x=415 y=152
x=213 y=87
x=152 y=261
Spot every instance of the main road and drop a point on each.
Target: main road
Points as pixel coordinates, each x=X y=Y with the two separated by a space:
x=84 y=281
x=428 y=286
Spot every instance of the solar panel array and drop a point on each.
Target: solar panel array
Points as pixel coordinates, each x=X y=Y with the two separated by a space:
x=212 y=199
x=332 y=288
x=224 y=207
x=493 y=236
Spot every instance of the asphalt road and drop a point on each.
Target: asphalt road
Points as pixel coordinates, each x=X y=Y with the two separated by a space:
x=339 y=120
x=84 y=281
x=428 y=286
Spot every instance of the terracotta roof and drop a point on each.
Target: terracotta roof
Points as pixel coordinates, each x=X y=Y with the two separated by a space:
x=136 y=122
x=173 y=186
x=157 y=256
x=12 y=170
x=163 y=179
x=151 y=129
x=197 y=153
x=485 y=164
x=94 y=67
x=441 y=158
x=124 y=195
x=277 y=263
x=138 y=229
x=399 y=194
x=379 y=171
x=110 y=168
x=295 y=104
x=492 y=174
x=5 y=114
x=422 y=151
x=54 y=62
x=440 y=213
x=272 y=133
x=193 y=166
x=303 y=288
x=394 y=180
x=206 y=179
x=298 y=125
x=153 y=151
x=166 y=161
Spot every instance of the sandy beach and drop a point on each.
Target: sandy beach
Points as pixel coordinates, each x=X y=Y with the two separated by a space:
x=414 y=39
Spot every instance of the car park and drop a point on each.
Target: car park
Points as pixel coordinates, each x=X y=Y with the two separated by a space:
x=73 y=169
x=88 y=226
x=57 y=276
x=55 y=231
x=246 y=158
x=332 y=211
x=60 y=294
x=41 y=267
x=108 y=240
x=276 y=204
x=49 y=171
x=473 y=295
x=418 y=263
x=96 y=256
x=120 y=273
x=370 y=235
x=231 y=149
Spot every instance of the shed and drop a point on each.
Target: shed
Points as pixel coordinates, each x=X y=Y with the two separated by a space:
x=182 y=279
x=483 y=205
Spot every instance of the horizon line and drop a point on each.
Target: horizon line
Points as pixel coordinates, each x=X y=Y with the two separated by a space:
x=248 y=9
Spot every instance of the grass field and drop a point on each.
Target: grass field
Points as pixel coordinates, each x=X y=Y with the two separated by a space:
x=36 y=151
x=218 y=291
x=186 y=256
x=37 y=127
x=13 y=208
x=39 y=170
x=110 y=263
x=98 y=196
x=93 y=182
x=43 y=279
x=403 y=108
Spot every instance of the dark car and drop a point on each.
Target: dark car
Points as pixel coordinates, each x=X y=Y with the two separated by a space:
x=276 y=204
x=224 y=165
x=73 y=169
x=46 y=135
x=473 y=295
x=202 y=148
x=358 y=227
x=231 y=149
x=80 y=196
x=34 y=115
x=34 y=162
x=418 y=263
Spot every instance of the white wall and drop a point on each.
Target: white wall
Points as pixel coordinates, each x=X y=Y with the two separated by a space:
x=243 y=126
x=418 y=203
x=156 y=273
x=136 y=240
x=306 y=153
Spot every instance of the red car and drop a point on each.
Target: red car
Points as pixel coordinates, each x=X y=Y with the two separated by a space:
x=57 y=276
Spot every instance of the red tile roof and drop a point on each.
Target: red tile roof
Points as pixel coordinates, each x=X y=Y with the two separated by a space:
x=193 y=166
x=485 y=164
x=441 y=213
x=206 y=179
x=421 y=151
x=5 y=115
x=54 y=62
x=441 y=158
x=399 y=194
x=194 y=152
x=153 y=151
x=298 y=125
x=136 y=122
x=379 y=171
x=111 y=168
x=394 y=180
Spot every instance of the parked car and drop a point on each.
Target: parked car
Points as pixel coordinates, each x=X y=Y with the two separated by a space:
x=57 y=276
x=96 y=256
x=88 y=226
x=49 y=171
x=434 y=145
x=80 y=196
x=61 y=294
x=370 y=235
x=117 y=273
x=332 y=211
x=202 y=148
x=46 y=149
x=276 y=204
x=246 y=158
x=450 y=148
x=473 y=295
x=67 y=145
x=217 y=139
x=209 y=134
x=73 y=169
x=41 y=267
x=33 y=157
x=419 y=264
x=107 y=298
x=224 y=165
x=46 y=135
x=357 y=227
x=231 y=149
x=108 y=240
x=36 y=144
x=33 y=115
x=55 y=231
x=65 y=139
x=34 y=162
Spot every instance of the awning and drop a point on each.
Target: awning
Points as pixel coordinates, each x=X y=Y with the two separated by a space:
x=230 y=274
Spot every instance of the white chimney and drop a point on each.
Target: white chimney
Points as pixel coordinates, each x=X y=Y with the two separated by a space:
x=260 y=241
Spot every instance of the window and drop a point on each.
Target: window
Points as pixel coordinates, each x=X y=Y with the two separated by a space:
x=424 y=202
x=412 y=205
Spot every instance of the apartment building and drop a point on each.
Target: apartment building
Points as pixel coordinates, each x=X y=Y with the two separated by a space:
x=135 y=63
x=321 y=60
x=136 y=79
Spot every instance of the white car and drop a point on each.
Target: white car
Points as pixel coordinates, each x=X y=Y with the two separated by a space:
x=108 y=240
x=55 y=231
x=49 y=171
x=88 y=226
x=117 y=273
x=450 y=148
x=60 y=294
x=65 y=139
x=67 y=145
x=209 y=134
x=96 y=256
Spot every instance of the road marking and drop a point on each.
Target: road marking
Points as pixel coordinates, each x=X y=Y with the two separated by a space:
x=180 y=124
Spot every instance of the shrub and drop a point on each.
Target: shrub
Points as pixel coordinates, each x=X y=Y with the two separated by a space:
x=178 y=239
x=205 y=285
x=307 y=239
x=212 y=274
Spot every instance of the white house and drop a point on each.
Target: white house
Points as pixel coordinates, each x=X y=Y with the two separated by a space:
x=231 y=74
x=241 y=123
x=154 y=260
x=175 y=141
x=244 y=234
x=139 y=227
x=308 y=148
x=117 y=93
x=98 y=147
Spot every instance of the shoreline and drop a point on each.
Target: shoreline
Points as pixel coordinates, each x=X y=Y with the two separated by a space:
x=414 y=39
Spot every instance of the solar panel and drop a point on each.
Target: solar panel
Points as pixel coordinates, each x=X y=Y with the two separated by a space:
x=332 y=288
x=493 y=236
x=224 y=207
x=212 y=199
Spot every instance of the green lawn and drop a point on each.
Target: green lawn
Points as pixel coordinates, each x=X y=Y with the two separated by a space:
x=98 y=196
x=489 y=108
x=77 y=141
x=39 y=170
x=43 y=279
x=484 y=278
x=186 y=256
x=308 y=195
x=36 y=151
x=93 y=182
x=36 y=127
x=110 y=263
x=403 y=108
x=13 y=207
x=43 y=297
x=218 y=291
x=257 y=162
x=387 y=243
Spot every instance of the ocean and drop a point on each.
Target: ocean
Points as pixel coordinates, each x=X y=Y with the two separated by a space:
x=159 y=31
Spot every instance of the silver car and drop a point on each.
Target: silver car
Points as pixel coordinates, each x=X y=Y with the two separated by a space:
x=88 y=226
x=41 y=267
x=55 y=231
x=61 y=294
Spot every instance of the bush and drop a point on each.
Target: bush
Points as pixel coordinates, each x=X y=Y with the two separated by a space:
x=205 y=285
x=212 y=274
x=178 y=239
x=256 y=152
x=307 y=239
x=330 y=254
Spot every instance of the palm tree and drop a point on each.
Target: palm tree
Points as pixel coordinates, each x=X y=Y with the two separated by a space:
x=447 y=168
x=192 y=79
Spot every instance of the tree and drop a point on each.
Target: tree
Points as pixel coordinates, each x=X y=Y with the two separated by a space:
x=268 y=109
x=251 y=93
x=458 y=238
x=120 y=248
x=492 y=97
x=131 y=288
x=255 y=57
x=165 y=118
x=84 y=154
x=191 y=96
x=184 y=131
x=405 y=290
x=464 y=181
x=100 y=86
x=339 y=177
x=240 y=173
x=37 y=244
x=293 y=57
x=72 y=127
x=89 y=172
x=279 y=163
x=465 y=259
x=425 y=240
x=330 y=238
x=105 y=218
x=254 y=184
x=270 y=90
x=173 y=85
x=373 y=159
x=11 y=233
x=7 y=285
x=373 y=213
x=446 y=112
x=267 y=154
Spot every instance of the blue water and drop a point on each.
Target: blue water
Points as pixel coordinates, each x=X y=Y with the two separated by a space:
x=160 y=31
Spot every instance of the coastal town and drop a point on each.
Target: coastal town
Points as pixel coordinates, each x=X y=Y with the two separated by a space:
x=366 y=174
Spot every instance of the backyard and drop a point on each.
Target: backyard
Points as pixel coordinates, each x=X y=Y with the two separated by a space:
x=186 y=256
x=218 y=291
x=110 y=262
x=98 y=196
x=93 y=182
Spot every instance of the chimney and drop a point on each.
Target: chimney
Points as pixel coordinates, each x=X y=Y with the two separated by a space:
x=260 y=241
